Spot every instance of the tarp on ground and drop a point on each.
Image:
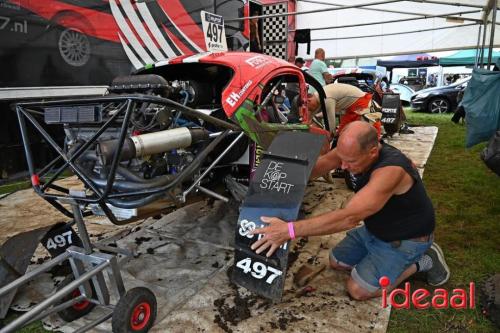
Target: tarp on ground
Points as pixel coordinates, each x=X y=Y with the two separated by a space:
x=408 y=61
x=467 y=57
x=481 y=103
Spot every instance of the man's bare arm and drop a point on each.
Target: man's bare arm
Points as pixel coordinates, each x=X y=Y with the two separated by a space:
x=328 y=77
x=325 y=163
x=383 y=183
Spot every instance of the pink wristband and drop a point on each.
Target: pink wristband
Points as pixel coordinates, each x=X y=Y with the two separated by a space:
x=291 y=230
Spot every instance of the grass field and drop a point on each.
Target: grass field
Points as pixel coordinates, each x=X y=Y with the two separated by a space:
x=466 y=196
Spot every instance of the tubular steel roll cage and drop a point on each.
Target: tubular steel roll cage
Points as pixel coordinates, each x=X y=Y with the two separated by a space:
x=100 y=197
x=86 y=264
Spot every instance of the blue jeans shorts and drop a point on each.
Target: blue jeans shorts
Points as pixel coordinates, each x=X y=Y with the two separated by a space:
x=372 y=258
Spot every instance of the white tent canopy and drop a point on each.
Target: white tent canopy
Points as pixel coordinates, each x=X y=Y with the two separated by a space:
x=432 y=34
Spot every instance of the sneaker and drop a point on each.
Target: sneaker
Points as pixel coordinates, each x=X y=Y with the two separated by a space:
x=439 y=273
x=405 y=129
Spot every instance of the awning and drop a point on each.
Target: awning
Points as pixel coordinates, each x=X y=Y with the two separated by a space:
x=408 y=61
x=466 y=57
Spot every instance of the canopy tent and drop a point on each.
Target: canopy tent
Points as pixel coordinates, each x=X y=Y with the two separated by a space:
x=407 y=61
x=466 y=57
x=371 y=28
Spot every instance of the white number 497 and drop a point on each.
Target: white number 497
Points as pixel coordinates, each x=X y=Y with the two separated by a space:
x=60 y=240
x=258 y=270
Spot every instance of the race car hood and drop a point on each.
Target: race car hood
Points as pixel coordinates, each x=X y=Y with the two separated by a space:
x=249 y=69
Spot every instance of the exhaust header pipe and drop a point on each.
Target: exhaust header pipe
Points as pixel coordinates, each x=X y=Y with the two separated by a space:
x=152 y=143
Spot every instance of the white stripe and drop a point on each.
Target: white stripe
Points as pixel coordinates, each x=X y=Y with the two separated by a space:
x=150 y=22
x=131 y=56
x=195 y=58
x=162 y=63
x=196 y=47
x=137 y=24
x=122 y=23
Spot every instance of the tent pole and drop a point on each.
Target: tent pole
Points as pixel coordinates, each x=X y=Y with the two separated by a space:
x=492 y=35
x=478 y=48
x=394 y=33
x=390 y=10
x=446 y=3
x=313 y=11
x=481 y=61
x=394 y=21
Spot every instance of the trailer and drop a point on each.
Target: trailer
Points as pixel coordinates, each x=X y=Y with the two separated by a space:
x=59 y=48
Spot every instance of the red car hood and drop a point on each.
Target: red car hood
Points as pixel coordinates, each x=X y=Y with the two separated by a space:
x=249 y=70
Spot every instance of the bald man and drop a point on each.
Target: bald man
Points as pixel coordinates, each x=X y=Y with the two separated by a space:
x=345 y=100
x=396 y=239
x=318 y=68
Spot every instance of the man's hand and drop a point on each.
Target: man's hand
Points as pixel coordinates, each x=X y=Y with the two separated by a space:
x=275 y=234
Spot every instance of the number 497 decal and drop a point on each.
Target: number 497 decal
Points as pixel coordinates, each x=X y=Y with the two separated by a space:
x=60 y=240
x=258 y=270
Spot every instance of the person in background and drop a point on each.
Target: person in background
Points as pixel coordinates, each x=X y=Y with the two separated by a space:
x=292 y=93
x=255 y=44
x=343 y=100
x=384 y=84
x=299 y=62
x=432 y=80
x=292 y=88
x=318 y=68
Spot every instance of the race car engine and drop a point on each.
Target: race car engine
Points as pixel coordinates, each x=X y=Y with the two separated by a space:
x=159 y=140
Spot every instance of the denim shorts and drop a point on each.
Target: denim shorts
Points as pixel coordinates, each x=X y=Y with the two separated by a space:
x=372 y=258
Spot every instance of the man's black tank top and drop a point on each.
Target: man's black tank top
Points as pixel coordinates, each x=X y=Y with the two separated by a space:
x=405 y=216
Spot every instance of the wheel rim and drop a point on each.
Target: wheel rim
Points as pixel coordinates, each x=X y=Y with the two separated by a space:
x=439 y=106
x=80 y=305
x=140 y=316
x=74 y=47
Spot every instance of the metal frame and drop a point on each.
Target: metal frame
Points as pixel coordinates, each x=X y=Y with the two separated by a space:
x=86 y=264
x=27 y=112
x=79 y=259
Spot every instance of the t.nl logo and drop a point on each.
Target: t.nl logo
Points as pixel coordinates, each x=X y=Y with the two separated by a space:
x=422 y=298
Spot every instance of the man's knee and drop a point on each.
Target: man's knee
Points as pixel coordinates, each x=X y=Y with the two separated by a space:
x=357 y=292
x=338 y=265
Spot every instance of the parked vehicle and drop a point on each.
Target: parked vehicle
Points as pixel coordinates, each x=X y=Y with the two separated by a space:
x=438 y=99
x=405 y=92
x=414 y=82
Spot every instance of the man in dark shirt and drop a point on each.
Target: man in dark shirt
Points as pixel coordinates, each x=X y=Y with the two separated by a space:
x=396 y=239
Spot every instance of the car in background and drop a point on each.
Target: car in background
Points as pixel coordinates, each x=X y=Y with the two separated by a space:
x=359 y=77
x=405 y=92
x=438 y=99
x=415 y=82
x=365 y=80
